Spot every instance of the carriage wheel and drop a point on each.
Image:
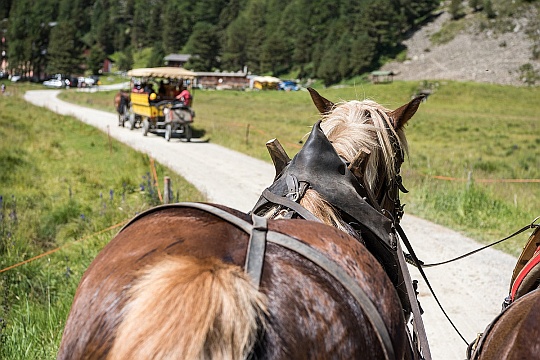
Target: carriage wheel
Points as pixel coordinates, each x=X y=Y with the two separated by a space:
x=146 y=126
x=168 y=132
x=187 y=132
x=132 y=121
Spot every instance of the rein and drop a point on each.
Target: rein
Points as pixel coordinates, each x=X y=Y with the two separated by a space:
x=532 y=225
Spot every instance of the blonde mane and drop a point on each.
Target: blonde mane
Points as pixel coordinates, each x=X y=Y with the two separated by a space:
x=356 y=124
x=350 y=126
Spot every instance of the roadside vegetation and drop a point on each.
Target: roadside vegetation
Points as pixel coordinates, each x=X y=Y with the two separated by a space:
x=61 y=184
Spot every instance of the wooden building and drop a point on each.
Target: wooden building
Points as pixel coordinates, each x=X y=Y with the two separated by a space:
x=222 y=80
x=382 y=77
x=176 y=60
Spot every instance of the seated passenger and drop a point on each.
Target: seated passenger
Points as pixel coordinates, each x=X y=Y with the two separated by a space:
x=184 y=97
x=137 y=87
x=149 y=88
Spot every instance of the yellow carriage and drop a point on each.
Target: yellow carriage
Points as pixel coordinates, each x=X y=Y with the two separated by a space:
x=155 y=105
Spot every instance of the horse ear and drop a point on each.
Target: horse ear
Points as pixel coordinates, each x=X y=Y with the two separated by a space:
x=401 y=115
x=323 y=105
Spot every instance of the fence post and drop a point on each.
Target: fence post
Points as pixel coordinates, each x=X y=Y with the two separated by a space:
x=167 y=190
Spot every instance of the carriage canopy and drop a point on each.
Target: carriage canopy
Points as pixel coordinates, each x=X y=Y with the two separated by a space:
x=163 y=72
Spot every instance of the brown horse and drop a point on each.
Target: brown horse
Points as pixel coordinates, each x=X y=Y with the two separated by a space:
x=515 y=332
x=173 y=283
x=121 y=104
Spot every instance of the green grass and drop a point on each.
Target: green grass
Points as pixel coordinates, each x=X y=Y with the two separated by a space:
x=490 y=131
x=449 y=31
x=61 y=181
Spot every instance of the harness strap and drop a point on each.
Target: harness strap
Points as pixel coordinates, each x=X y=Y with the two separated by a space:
x=418 y=323
x=299 y=209
x=345 y=280
x=474 y=349
x=256 y=248
x=364 y=302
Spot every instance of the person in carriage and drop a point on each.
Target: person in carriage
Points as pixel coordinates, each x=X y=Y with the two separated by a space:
x=184 y=97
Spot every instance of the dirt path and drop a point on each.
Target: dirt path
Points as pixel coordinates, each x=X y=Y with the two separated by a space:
x=471 y=290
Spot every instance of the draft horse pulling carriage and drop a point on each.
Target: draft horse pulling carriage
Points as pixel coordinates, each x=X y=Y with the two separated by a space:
x=203 y=281
x=153 y=103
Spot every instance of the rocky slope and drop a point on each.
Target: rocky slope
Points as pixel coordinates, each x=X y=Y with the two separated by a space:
x=472 y=55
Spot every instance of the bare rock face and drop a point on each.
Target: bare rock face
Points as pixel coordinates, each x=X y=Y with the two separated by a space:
x=472 y=55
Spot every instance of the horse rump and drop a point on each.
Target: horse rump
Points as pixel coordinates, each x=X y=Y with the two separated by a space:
x=184 y=307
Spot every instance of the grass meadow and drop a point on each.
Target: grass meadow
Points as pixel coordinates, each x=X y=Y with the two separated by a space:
x=61 y=182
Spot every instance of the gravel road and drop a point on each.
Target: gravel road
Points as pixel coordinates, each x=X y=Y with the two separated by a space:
x=471 y=290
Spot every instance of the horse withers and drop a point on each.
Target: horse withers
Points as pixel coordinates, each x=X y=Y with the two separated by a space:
x=172 y=283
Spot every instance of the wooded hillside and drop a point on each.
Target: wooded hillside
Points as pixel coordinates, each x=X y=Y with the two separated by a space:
x=330 y=40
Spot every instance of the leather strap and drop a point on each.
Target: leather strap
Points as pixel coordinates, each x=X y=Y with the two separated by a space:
x=280 y=200
x=345 y=280
x=417 y=315
x=256 y=249
x=424 y=276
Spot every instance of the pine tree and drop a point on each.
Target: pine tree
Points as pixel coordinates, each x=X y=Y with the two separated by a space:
x=174 y=38
x=102 y=33
x=95 y=59
x=63 y=55
x=276 y=54
x=255 y=33
x=156 y=59
x=203 y=45
x=19 y=48
x=234 y=55
x=455 y=9
x=125 y=59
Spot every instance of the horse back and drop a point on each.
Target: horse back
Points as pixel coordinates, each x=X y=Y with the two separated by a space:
x=324 y=305
x=515 y=332
x=304 y=303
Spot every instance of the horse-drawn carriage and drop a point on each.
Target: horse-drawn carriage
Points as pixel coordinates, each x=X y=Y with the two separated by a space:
x=165 y=110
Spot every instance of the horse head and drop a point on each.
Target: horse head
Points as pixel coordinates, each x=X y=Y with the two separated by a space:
x=352 y=157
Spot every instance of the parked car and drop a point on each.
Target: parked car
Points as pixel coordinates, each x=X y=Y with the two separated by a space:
x=54 y=83
x=15 y=78
x=289 y=85
x=88 y=81
x=71 y=81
